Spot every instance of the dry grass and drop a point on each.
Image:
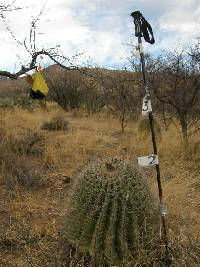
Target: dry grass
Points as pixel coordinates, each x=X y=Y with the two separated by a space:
x=144 y=128
x=58 y=122
x=32 y=217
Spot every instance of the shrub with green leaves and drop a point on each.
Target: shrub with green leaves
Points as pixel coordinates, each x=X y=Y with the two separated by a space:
x=112 y=215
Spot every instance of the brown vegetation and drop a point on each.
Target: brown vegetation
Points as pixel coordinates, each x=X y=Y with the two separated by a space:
x=56 y=123
x=37 y=177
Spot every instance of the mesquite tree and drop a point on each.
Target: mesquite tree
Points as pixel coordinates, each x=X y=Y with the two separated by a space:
x=65 y=86
x=175 y=81
x=121 y=94
x=31 y=46
x=8 y=7
x=92 y=96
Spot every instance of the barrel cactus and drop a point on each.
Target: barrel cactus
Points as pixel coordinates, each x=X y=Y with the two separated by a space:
x=112 y=216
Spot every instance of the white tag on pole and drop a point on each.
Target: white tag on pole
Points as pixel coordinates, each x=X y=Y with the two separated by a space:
x=137 y=52
x=140 y=48
x=146 y=105
x=147 y=161
x=163 y=210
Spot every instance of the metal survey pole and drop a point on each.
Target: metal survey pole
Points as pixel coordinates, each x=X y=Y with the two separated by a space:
x=143 y=29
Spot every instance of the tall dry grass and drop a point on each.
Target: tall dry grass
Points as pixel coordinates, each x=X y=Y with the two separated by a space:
x=35 y=187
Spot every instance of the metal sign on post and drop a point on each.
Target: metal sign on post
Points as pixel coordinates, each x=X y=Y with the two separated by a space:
x=143 y=30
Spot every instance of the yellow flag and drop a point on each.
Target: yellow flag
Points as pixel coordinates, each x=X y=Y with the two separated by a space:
x=39 y=84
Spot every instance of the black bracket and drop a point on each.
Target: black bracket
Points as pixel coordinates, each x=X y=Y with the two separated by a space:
x=142 y=27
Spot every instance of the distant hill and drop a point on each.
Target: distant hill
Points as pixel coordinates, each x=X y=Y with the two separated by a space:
x=13 y=88
x=20 y=88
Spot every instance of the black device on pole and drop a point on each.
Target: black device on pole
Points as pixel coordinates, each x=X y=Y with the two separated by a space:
x=143 y=29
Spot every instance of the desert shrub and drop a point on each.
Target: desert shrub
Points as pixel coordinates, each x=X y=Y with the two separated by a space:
x=2 y=133
x=57 y=123
x=21 y=176
x=64 y=87
x=6 y=103
x=23 y=102
x=112 y=217
x=11 y=149
x=184 y=250
x=91 y=104
x=92 y=98
x=23 y=145
x=12 y=146
x=145 y=130
x=27 y=103
x=195 y=147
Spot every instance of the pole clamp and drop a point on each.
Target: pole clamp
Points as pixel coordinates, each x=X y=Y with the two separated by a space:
x=142 y=27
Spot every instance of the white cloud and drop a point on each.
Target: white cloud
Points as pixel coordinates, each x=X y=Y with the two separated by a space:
x=98 y=27
x=181 y=24
x=182 y=19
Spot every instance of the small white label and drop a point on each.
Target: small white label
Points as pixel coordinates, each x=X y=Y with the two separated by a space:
x=147 y=161
x=140 y=48
x=137 y=52
x=163 y=210
x=146 y=106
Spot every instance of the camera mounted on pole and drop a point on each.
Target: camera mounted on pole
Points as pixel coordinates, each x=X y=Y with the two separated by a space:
x=142 y=27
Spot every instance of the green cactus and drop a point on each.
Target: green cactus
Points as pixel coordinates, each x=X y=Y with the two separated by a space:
x=112 y=216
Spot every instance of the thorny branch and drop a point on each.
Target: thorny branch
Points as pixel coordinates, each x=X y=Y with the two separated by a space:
x=31 y=47
x=33 y=66
x=9 y=7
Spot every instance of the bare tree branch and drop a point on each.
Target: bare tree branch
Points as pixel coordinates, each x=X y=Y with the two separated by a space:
x=33 y=66
x=9 y=7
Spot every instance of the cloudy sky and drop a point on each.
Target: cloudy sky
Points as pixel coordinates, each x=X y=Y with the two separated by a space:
x=100 y=29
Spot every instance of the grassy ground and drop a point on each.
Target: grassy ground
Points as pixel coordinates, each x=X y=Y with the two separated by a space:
x=38 y=169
